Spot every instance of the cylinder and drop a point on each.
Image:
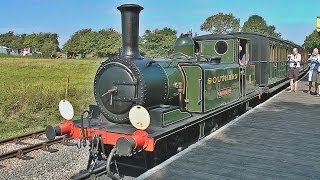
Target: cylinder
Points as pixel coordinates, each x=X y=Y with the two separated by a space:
x=130 y=30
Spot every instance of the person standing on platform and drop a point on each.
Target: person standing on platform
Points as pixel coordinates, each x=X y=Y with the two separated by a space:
x=318 y=78
x=294 y=66
x=313 y=71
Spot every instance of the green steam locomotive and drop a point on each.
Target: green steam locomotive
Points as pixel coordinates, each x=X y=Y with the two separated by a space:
x=149 y=109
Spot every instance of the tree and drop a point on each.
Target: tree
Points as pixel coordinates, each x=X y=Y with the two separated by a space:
x=259 y=25
x=221 y=24
x=11 y=40
x=86 y=42
x=75 y=45
x=108 y=43
x=47 y=43
x=158 y=42
x=312 y=41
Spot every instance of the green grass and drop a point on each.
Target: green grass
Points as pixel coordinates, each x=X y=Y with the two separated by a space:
x=31 y=89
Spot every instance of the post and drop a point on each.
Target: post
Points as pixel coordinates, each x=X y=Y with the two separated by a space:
x=67 y=87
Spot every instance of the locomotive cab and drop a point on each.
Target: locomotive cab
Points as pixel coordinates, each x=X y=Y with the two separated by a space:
x=223 y=71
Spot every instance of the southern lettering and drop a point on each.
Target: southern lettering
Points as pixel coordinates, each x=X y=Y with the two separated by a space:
x=222 y=78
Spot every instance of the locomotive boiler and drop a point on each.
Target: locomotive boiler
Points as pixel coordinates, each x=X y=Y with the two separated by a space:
x=131 y=79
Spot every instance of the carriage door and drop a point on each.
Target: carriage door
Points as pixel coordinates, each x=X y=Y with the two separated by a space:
x=250 y=83
x=193 y=88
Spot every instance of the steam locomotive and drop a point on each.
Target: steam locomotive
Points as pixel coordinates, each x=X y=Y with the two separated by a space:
x=149 y=109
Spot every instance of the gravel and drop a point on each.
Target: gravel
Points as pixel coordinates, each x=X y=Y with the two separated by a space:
x=63 y=164
x=9 y=147
x=13 y=146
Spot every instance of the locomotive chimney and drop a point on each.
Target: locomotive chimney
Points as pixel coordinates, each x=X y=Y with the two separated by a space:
x=130 y=30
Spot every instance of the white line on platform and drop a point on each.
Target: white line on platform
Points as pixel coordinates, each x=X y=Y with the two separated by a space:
x=173 y=158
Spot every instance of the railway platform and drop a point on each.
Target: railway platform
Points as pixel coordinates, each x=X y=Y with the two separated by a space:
x=279 y=139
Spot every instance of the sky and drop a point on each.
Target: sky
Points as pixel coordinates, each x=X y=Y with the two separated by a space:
x=292 y=18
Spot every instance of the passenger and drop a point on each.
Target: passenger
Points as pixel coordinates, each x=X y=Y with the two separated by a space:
x=318 y=78
x=243 y=61
x=242 y=58
x=313 y=71
x=294 y=65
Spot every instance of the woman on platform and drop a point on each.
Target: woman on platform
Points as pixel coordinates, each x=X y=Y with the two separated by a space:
x=318 y=78
x=313 y=71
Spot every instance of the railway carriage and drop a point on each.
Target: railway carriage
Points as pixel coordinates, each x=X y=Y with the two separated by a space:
x=270 y=57
x=149 y=109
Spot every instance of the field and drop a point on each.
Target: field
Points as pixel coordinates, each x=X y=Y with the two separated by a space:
x=31 y=89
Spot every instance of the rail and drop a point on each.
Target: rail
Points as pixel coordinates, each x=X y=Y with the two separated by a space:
x=23 y=137
x=21 y=152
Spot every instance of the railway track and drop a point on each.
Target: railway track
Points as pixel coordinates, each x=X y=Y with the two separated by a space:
x=20 y=138
x=18 y=147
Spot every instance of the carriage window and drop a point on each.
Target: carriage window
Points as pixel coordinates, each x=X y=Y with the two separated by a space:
x=244 y=54
x=221 y=47
x=276 y=53
x=305 y=56
x=270 y=52
x=197 y=46
x=280 y=54
x=275 y=49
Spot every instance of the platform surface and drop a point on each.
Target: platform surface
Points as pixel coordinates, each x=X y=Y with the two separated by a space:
x=279 y=139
